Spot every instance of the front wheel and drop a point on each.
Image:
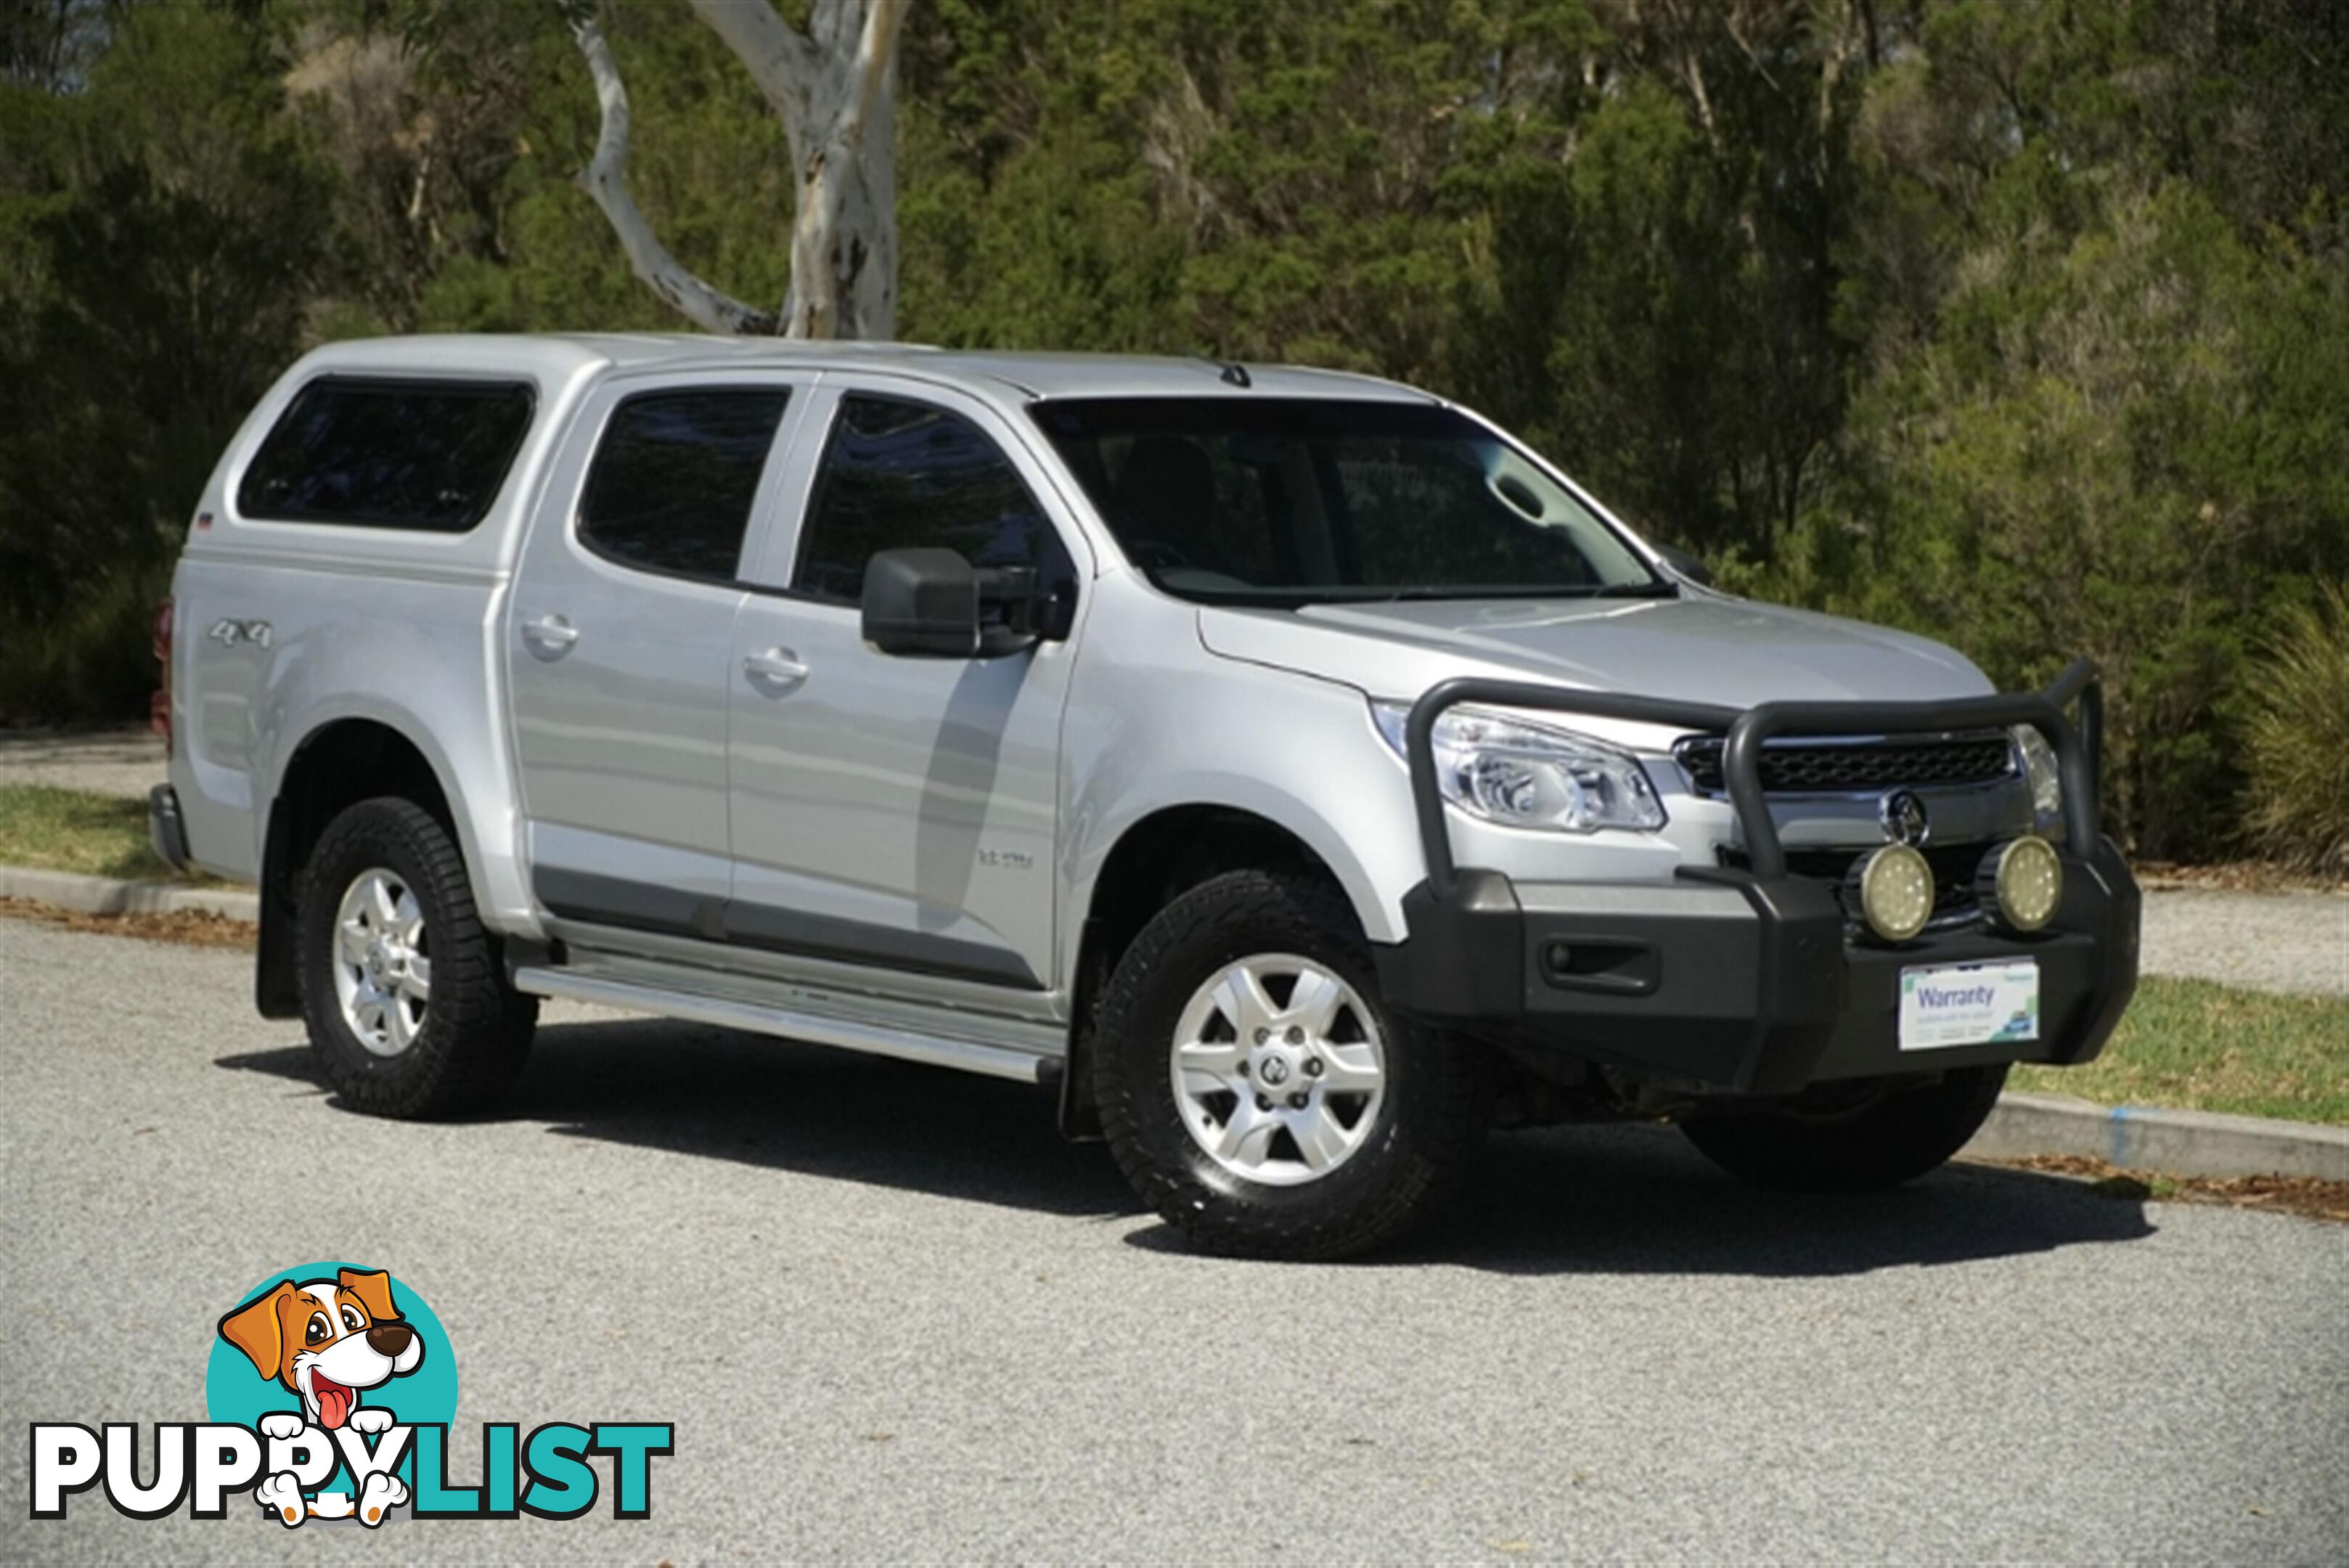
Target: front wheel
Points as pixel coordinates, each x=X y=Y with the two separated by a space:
x=402 y=988
x=1851 y=1142
x=1257 y=1090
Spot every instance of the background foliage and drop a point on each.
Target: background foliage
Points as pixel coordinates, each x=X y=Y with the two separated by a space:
x=2021 y=323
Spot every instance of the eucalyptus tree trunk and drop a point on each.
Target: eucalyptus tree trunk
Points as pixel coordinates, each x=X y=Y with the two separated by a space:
x=834 y=89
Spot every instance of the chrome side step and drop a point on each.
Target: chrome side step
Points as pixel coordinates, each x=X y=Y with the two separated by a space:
x=997 y=1047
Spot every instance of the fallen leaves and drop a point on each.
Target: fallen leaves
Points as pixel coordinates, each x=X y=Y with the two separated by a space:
x=2310 y=1197
x=192 y=927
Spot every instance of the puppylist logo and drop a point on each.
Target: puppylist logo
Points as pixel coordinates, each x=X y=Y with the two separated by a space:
x=330 y=1392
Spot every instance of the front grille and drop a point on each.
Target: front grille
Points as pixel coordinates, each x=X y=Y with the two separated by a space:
x=1817 y=767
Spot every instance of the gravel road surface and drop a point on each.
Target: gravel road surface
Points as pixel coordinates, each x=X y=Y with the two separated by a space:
x=2267 y=941
x=106 y=762
x=893 y=1316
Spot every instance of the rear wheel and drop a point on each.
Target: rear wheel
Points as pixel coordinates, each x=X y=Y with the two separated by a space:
x=1255 y=1090
x=403 y=990
x=1862 y=1142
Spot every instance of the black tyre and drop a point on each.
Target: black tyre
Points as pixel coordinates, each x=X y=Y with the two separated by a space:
x=1882 y=1139
x=1257 y=1090
x=404 y=992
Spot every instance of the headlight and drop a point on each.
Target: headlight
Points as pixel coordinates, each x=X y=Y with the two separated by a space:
x=2039 y=766
x=1523 y=774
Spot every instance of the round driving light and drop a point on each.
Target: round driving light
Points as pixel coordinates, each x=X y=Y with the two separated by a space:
x=1894 y=888
x=2021 y=883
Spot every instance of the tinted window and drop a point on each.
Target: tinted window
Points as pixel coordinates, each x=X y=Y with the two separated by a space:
x=388 y=455
x=1295 y=501
x=674 y=478
x=898 y=475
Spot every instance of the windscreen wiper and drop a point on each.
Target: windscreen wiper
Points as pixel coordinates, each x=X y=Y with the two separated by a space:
x=1655 y=590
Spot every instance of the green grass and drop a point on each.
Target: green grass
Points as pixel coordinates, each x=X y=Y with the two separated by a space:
x=72 y=830
x=2201 y=1046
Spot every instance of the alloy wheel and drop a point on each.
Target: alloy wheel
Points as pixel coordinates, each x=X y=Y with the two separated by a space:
x=383 y=966
x=1278 y=1069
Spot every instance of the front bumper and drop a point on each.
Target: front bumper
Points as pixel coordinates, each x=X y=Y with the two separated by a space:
x=1727 y=983
x=1747 y=982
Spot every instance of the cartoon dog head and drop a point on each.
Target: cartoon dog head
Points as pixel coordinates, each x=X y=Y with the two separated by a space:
x=327 y=1340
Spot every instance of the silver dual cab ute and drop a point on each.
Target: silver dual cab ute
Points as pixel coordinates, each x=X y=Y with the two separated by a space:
x=1294 y=772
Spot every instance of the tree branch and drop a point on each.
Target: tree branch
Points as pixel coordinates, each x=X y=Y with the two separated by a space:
x=783 y=63
x=1729 y=22
x=606 y=180
x=877 y=51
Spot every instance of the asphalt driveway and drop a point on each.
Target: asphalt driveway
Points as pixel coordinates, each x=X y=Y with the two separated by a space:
x=893 y=1316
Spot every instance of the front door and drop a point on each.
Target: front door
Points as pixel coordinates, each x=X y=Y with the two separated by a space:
x=618 y=643
x=894 y=811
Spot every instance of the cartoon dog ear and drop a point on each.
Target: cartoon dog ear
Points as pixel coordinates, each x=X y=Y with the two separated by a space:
x=255 y=1329
x=373 y=1291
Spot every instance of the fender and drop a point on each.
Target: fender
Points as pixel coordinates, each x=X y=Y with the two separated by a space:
x=1085 y=863
x=1087 y=854
x=1122 y=766
x=488 y=838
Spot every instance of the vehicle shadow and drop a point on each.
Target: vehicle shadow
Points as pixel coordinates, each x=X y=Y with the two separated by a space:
x=718 y=1093
x=1575 y=1199
x=1642 y=1200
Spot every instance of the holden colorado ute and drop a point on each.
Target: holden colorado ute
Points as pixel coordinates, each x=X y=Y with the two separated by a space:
x=1291 y=770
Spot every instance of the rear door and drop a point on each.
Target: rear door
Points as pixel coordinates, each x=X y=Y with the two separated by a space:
x=619 y=645
x=892 y=811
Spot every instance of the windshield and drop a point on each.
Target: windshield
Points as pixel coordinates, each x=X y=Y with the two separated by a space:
x=1290 y=501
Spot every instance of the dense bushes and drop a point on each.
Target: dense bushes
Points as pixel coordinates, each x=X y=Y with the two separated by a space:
x=159 y=226
x=2021 y=325
x=2111 y=445
x=2299 y=734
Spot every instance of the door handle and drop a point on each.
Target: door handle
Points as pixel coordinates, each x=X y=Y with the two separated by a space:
x=550 y=633
x=776 y=667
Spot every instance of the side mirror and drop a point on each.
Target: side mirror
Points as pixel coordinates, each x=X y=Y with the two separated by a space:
x=931 y=604
x=1686 y=564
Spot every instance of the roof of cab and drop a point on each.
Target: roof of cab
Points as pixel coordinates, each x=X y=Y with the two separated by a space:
x=558 y=356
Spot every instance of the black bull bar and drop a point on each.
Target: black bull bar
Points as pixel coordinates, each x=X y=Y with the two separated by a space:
x=2078 y=747
x=1748 y=979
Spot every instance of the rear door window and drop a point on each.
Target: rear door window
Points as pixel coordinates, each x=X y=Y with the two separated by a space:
x=388 y=453
x=674 y=479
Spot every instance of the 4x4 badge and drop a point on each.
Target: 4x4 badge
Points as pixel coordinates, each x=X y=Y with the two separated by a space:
x=1903 y=816
x=228 y=633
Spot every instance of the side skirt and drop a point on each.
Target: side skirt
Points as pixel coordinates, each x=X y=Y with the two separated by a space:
x=1025 y=1051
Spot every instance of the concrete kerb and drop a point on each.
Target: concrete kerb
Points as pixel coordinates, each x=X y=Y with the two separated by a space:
x=112 y=896
x=2143 y=1137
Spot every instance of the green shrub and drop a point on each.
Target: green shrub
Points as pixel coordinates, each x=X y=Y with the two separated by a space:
x=94 y=659
x=2299 y=736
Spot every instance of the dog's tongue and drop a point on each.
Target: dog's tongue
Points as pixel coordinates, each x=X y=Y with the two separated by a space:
x=333 y=1400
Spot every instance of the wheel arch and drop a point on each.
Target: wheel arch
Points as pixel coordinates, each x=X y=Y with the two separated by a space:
x=338 y=762
x=1154 y=860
